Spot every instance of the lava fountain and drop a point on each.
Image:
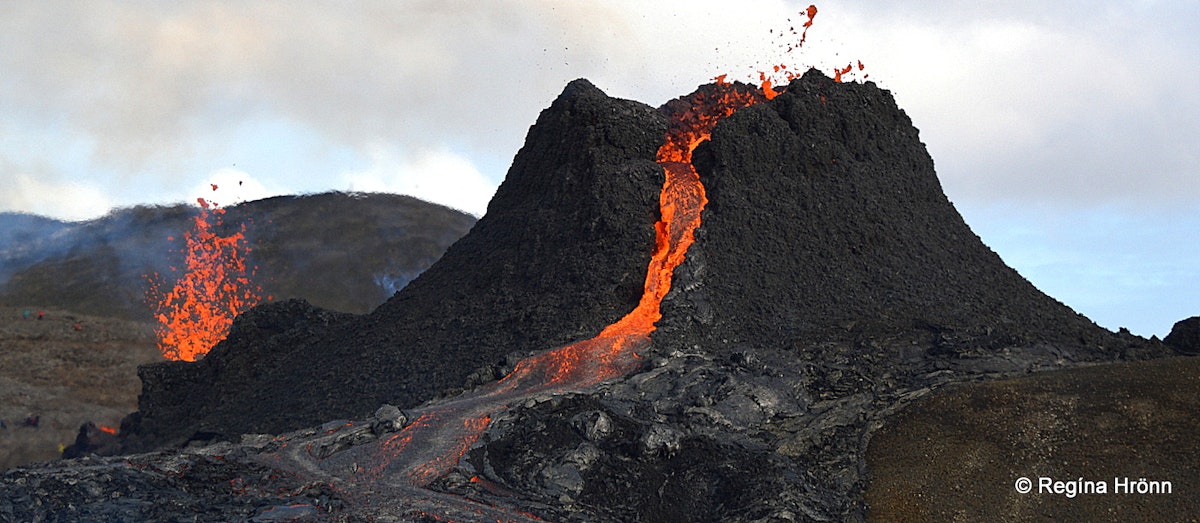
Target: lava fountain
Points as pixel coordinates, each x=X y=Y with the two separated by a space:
x=214 y=287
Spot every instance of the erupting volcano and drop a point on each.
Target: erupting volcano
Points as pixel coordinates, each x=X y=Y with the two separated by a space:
x=442 y=432
x=214 y=286
x=731 y=369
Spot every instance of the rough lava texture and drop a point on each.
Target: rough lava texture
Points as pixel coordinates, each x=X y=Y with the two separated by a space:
x=831 y=282
x=831 y=285
x=561 y=253
x=826 y=220
x=1185 y=336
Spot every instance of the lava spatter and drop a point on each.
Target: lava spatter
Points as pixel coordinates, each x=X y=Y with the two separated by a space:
x=214 y=286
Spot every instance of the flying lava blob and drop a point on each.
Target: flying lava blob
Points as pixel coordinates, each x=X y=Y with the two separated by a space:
x=214 y=286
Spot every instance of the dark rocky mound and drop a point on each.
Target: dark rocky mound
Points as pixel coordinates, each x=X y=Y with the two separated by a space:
x=831 y=284
x=831 y=281
x=1185 y=336
x=560 y=254
x=827 y=222
x=208 y=484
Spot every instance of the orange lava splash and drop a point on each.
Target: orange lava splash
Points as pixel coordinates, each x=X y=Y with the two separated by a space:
x=840 y=73
x=780 y=74
x=215 y=286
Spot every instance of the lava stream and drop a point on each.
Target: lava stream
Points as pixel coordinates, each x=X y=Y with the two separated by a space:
x=406 y=462
x=442 y=432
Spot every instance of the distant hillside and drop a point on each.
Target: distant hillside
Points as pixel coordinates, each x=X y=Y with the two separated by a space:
x=26 y=238
x=342 y=251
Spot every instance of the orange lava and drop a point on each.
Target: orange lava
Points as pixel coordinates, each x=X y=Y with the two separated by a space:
x=682 y=198
x=215 y=287
x=839 y=73
x=781 y=74
x=433 y=443
x=613 y=352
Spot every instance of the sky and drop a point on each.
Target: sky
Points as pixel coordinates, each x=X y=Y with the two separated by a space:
x=1066 y=133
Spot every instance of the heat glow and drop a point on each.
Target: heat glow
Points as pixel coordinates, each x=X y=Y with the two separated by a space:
x=444 y=431
x=434 y=443
x=214 y=287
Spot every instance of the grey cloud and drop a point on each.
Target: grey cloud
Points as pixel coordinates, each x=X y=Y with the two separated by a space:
x=152 y=83
x=144 y=80
x=1072 y=103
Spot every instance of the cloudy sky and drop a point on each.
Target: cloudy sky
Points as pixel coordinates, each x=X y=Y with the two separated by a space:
x=1067 y=134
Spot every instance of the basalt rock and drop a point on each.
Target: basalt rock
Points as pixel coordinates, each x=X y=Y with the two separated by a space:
x=1185 y=336
x=826 y=222
x=831 y=285
x=831 y=282
x=561 y=253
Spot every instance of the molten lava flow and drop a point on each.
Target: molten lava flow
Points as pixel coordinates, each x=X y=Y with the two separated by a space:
x=443 y=431
x=214 y=288
x=612 y=353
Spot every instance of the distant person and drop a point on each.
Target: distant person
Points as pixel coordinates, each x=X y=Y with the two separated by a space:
x=32 y=421
x=92 y=440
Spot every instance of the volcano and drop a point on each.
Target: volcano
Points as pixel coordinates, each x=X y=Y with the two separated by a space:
x=560 y=254
x=830 y=283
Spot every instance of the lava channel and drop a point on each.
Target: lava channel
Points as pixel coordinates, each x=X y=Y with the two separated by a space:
x=403 y=464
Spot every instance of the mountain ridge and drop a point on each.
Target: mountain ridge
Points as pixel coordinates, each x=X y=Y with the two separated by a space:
x=342 y=251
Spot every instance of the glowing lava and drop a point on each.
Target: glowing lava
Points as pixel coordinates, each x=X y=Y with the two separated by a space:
x=443 y=431
x=214 y=288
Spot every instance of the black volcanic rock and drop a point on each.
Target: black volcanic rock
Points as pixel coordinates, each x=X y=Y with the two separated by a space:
x=826 y=219
x=830 y=283
x=1185 y=336
x=560 y=254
